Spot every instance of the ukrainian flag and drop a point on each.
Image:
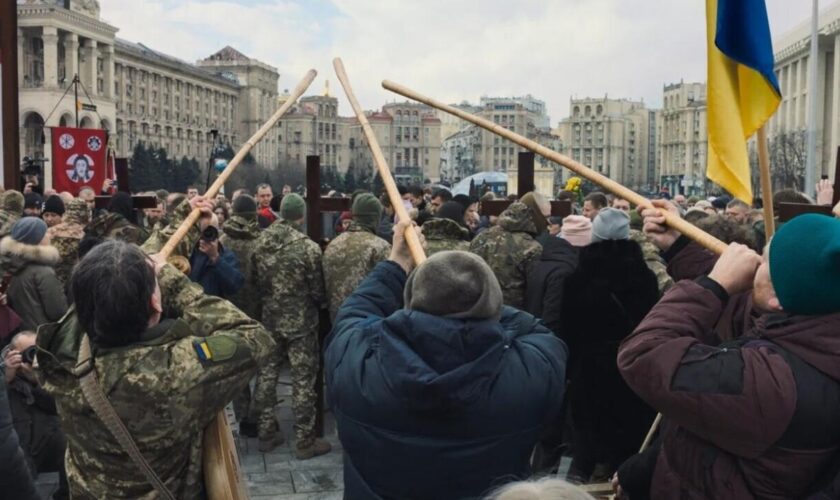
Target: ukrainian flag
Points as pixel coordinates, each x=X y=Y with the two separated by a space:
x=742 y=91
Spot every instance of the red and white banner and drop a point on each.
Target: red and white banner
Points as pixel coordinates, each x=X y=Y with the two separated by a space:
x=79 y=159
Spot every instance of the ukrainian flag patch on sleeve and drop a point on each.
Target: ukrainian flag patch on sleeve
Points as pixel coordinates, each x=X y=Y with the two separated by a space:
x=203 y=350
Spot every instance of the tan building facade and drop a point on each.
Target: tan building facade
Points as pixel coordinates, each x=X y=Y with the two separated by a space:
x=792 y=51
x=314 y=127
x=611 y=136
x=139 y=94
x=682 y=139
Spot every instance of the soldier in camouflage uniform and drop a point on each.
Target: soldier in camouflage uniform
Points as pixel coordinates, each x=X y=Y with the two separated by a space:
x=509 y=248
x=11 y=210
x=116 y=223
x=240 y=234
x=166 y=378
x=354 y=253
x=446 y=231
x=67 y=235
x=288 y=268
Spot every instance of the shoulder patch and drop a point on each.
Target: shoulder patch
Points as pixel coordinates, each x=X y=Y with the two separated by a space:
x=215 y=349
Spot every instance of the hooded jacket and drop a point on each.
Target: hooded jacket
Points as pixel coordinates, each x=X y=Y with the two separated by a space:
x=547 y=279
x=757 y=418
x=35 y=293
x=445 y=234
x=509 y=248
x=239 y=236
x=431 y=407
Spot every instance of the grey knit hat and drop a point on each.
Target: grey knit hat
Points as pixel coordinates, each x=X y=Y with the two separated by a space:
x=611 y=224
x=29 y=230
x=454 y=284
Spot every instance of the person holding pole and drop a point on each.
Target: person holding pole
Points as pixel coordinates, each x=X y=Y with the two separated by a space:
x=438 y=389
x=757 y=416
x=169 y=358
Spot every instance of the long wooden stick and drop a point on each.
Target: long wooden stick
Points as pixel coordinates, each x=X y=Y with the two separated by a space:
x=766 y=183
x=675 y=221
x=184 y=228
x=414 y=245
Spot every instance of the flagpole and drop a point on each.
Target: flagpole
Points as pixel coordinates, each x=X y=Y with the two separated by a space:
x=811 y=158
x=76 y=94
x=766 y=183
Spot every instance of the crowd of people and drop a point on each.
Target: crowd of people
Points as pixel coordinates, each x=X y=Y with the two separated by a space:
x=523 y=338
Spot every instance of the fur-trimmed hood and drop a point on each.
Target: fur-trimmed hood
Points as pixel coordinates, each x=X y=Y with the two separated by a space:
x=17 y=255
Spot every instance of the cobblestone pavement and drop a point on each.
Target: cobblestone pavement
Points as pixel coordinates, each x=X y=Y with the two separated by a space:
x=277 y=475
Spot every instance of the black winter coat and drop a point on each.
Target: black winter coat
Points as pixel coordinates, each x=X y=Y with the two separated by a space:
x=606 y=298
x=15 y=479
x=547 y=281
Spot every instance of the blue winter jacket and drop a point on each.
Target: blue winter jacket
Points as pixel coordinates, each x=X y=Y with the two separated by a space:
x=221 y=279
x=430 y=407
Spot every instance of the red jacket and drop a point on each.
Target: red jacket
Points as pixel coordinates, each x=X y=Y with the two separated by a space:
x=759 y=418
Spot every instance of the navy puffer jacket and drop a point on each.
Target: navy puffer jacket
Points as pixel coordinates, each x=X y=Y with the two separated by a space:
x=430 y=407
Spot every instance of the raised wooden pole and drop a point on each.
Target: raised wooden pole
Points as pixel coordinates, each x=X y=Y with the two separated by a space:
x=766 y=183
x=673 y=220
x=222 y=474
x=211 y=193
x=411 y=238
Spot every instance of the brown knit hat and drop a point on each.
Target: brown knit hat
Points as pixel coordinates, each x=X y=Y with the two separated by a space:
x=454 y=284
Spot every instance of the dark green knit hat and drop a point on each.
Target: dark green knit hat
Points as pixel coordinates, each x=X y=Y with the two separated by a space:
x=805 y=265
x=366 y=211
x=292 y=208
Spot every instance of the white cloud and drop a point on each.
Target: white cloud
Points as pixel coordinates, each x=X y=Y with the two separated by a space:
x=451 y=49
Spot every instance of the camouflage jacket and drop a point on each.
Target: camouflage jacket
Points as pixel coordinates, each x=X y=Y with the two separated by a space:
x=445 y=234
x=348 y=259
x=7 y=220
x=287 y=267
x=509 y=248
x=166 y=388
x=66 y=237
x=654 y=260
x=113 y=226
x=161 y=234
x=239 y=236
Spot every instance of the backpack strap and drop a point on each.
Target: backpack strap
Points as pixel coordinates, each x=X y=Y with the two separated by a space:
x=98 y=401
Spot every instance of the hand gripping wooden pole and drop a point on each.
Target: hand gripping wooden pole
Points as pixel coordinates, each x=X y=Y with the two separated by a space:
x=766 y=183
x=414 y=245
x=211 y=193
x=222 y=474
x=675 y=221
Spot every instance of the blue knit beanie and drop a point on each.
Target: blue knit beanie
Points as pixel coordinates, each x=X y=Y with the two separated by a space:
x=29 y=230
x=805 y=265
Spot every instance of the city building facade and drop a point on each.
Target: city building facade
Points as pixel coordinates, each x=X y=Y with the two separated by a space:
x=682 y=139
x=137 y=94
x=611 y=136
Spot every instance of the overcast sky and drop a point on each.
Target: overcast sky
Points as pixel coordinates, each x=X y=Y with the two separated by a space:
x=452 y=50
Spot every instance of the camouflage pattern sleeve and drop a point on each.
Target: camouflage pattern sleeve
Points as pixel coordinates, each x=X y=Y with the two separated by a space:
x=160 y=236
x=317 y=291
x=226 y=351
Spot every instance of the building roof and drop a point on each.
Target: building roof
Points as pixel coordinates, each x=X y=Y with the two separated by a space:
x=379 y=116
x=228 y=54
x=155 y=57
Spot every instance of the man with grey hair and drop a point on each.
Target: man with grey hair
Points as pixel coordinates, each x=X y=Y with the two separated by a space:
x=738 y=211
x=438 y=389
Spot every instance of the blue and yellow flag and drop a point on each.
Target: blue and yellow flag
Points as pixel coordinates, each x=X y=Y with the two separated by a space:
x=743 y=92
